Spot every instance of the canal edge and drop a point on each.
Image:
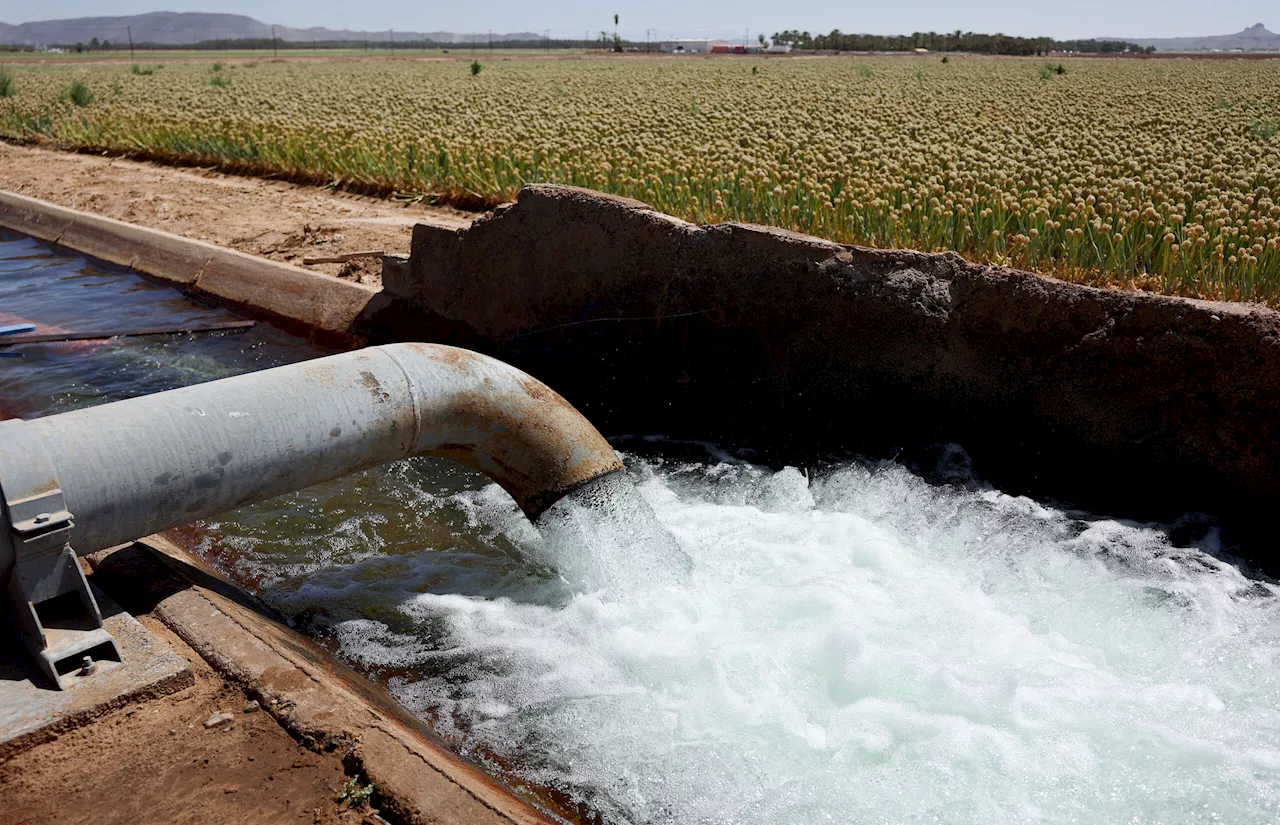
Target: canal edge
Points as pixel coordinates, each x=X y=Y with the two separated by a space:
x=325 y=705
x=322 y=305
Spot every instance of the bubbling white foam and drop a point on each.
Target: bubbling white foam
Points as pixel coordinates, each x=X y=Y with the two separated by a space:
x=867 y=648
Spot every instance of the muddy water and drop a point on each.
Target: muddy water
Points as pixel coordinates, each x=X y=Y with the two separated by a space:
x=855 y=644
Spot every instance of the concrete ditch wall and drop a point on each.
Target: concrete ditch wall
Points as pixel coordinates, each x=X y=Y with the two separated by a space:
x=312 y=303
x=798 y=347
x=1118 y=401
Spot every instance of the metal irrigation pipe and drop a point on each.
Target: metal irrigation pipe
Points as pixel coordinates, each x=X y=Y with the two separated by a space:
x=131 y=468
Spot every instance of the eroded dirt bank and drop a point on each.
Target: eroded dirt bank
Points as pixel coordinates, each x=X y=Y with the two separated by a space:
x=274 y=219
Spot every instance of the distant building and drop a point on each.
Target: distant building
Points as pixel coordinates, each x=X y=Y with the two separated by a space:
x=694 y=46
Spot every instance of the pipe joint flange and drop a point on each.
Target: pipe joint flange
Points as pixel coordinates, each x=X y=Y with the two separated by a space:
x=36 y=520
x=37 y=563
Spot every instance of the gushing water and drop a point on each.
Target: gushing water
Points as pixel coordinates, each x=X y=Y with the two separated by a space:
x=604 y=538
x=865 y=647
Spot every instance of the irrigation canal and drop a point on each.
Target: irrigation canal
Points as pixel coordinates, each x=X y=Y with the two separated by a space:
x=852 y=645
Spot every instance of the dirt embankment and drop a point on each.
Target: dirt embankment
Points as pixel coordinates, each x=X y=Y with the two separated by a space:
x=274 y=219
x=156 y=762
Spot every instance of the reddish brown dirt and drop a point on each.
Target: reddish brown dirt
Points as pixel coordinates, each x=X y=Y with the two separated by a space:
x=274 y=219
x=155 y=762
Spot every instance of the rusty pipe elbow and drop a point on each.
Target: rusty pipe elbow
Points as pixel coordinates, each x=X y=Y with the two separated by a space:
x=504 y=423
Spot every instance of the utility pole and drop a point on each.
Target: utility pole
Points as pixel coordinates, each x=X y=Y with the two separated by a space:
x=130 y=30
x=391 y=40
x=490 y=39
x=275 y=50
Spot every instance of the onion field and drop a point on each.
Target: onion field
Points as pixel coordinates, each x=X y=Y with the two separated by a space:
x=1160 y=174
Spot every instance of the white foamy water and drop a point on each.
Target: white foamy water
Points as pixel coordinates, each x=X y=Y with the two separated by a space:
x=862 y=648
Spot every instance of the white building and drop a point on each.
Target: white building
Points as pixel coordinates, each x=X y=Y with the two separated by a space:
x=694 y=46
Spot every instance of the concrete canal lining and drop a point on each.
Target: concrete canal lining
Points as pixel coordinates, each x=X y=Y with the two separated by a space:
x=762 y=337
x=793 y=344
x=318 y=700
x=310 y=302
x=1126 y=402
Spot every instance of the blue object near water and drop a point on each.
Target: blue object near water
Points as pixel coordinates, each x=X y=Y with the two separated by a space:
x=14 y=329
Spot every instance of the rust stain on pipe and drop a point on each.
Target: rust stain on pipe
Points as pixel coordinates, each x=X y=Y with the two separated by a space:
x=507 y=425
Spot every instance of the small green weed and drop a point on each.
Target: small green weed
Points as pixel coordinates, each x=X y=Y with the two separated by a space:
x=79 y=94
x=138 y=70
x=217 y=67
x=221 y=81
x=1260 y=130
x=7 y=87
x=865 y=71
x=475 y=67
x=353 y=793
x=1048 y=70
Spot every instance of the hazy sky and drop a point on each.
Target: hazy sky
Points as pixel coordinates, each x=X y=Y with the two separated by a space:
x=570 y=18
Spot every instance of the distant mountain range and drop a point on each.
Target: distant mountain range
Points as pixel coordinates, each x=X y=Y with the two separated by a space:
x=179 y=28
x=1256 y=38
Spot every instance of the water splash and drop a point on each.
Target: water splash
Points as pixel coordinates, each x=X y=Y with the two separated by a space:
x=867 y=647
x=605 y=537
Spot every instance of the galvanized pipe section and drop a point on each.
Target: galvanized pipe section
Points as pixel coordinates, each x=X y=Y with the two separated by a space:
x=136 y=467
